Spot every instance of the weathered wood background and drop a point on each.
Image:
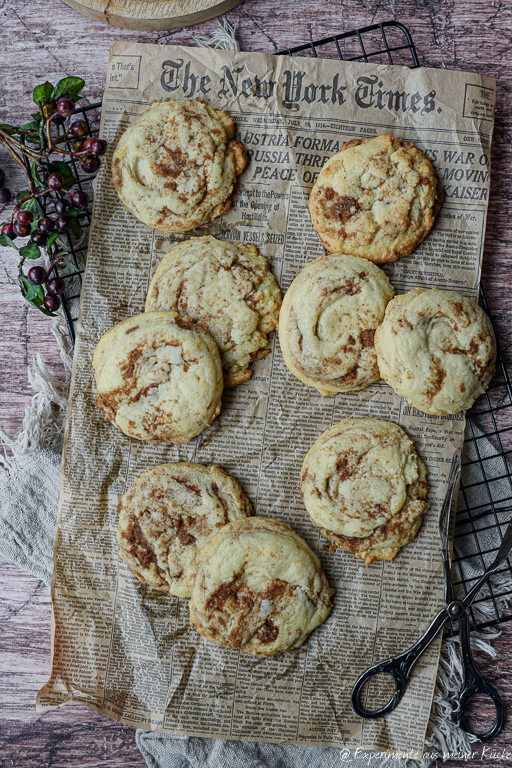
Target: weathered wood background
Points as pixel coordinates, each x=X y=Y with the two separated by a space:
x=45 y=39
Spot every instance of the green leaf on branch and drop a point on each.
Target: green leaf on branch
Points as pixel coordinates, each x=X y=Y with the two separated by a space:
x=7 y=128
x=30 y=251
x=57 y=166
x=43 y=91
x=32 y=293
x=6 y=240
x=75 y=227
x=21 y=195
x=68 y=264
x=51 y=240
x=33 y=126
x=30 y=205
x=37 y=116
x=69 y=86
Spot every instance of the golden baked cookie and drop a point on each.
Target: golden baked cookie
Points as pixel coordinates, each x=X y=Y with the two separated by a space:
x=364 y=486
x=158 y=377
x=376 y=198
x=229 y=289
x=256 y=585
x=168 y=513
x=328 y=321
x=174 y=168
x=437 y=349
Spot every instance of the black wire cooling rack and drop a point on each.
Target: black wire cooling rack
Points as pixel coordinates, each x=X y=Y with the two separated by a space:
x=485 y=499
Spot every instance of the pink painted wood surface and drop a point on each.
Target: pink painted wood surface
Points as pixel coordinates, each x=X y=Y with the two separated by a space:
x=47 y=39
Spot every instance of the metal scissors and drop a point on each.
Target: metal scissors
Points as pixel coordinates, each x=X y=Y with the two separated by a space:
x=400 y=666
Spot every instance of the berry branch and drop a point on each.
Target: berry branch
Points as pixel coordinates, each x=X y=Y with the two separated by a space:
x=49 y=181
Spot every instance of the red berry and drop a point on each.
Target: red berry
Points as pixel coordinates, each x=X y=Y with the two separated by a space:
x=97 y=146
x=55 y=286
x=54 y=181
x=63 y=223
x=45 y=225
x=51 y=303
x=90 y=163
x=62 y=206
x=79 y=199
x=21 y=229
x=24 y=217
x=5 y=196
x=8 y=230
x=38 y=237
x=78 y=129
x=36 y=275
x=66 y=107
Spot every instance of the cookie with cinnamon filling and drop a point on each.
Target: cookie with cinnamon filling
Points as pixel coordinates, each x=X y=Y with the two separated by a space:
x=229 y=289
x=376 y=198
x=257 y=586
x=158 y=377
x=437 y=349
x=174 y=168
x=365 y=487
x=328 y=320
x=168 y=513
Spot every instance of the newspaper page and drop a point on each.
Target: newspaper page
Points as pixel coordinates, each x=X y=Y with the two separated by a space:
x=127 y=650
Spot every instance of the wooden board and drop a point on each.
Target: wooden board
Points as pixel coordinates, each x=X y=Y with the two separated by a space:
x=152 y=14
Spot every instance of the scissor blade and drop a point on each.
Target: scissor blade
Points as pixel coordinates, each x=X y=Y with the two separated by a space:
x=444 y=519
x=506 y=546
x=503 y=551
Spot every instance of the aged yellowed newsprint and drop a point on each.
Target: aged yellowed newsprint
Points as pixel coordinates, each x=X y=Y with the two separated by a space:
x=127 y=650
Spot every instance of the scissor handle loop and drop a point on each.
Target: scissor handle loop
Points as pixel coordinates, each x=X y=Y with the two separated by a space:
x=481 y=686
x=474 y=683
x=388 y=668
x=399 y=668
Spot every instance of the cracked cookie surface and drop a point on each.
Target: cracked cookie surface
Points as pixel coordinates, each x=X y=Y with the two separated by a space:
x=158 y=377
x=175 y=167
x=328 y=320
x=257 y=586
x=365 y=487
x=168 y=513
x=376 y=198
x=229 y=289
x=437 y=349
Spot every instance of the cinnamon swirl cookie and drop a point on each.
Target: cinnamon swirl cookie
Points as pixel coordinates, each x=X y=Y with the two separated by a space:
x=328 y=321
x=365 y=487
x=256 y=585
x=376 y=198
x=168 y=513
x=437 y=349
x=229 y=289
x=174 y=168
x=158 y=377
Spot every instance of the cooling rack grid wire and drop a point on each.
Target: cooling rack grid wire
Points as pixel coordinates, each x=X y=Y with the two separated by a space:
x=485 y=501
